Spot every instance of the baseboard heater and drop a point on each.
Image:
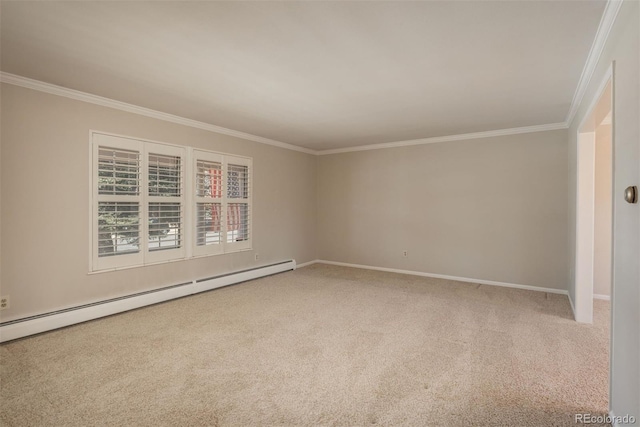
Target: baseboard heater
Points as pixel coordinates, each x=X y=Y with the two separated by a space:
x=58 y=319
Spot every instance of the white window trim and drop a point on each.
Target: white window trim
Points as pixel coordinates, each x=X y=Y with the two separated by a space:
x=188 y=249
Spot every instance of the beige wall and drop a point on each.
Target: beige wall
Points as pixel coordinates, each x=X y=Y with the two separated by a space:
x=45 y=203
x=623 y=47
x=491 y=209
x=603 y=212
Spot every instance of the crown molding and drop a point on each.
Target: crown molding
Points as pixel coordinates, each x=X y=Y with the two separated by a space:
x=77 y=95
x=28 y=83
x=604 y=29
x=459 y=137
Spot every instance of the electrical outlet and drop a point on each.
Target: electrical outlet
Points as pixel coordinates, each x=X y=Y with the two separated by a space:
x=257 y=257
x=405 y=253
x=4 y=302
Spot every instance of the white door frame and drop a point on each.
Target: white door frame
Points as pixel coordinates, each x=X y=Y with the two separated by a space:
x=585 y=205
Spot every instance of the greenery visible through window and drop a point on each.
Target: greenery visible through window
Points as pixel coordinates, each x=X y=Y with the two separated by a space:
x=118 y=221
x=141 y=204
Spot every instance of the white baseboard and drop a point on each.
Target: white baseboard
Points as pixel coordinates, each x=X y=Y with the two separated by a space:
x=442 y=276
x=46 y=322
x=305 y=264
x=602 y=297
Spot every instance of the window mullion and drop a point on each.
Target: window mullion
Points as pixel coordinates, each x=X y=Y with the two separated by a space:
x=223 y=214
x=121 y=198
x=144 y=195
x=187 y=203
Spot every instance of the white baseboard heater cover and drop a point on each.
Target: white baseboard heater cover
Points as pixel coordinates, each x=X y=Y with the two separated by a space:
x=49 y=321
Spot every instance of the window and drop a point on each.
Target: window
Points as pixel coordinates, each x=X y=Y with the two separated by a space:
x=118 y=207
x=164 y=202
x=222 y=203
x=238 y=212
x=209 y=201
x=142 y=204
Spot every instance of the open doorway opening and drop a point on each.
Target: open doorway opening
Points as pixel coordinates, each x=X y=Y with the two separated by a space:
x=594 y=210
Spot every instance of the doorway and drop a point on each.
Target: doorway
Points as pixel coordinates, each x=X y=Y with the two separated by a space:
x=594 y=205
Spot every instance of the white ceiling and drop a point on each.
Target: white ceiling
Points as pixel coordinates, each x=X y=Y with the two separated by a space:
x=320 y=75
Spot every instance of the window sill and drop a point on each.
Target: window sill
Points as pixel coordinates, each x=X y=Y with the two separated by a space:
x=129 y=267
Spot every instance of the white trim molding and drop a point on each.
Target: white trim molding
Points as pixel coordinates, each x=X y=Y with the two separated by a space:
x=442 y=276
x=606 y=78
x=602 y=297
x=77 y=95
x=305 y=264
x=449 y=138
x=604 y=29
x=49 y=321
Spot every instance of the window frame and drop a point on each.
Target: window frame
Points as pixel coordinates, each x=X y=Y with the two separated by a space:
x=207 y=156
x=122 y=260
x=164 y=254
x=239 y=161
x=188 y=199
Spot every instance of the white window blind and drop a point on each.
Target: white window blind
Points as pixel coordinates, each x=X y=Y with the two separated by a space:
x=165 y=202
x=222 y=203
x=209 y=182
x=238 y=208
x=156 y=202
x=118 y=208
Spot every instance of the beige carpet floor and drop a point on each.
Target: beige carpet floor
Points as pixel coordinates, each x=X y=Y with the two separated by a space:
x=320 y=346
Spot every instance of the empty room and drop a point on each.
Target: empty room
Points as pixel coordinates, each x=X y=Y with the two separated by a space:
x=320 y=213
